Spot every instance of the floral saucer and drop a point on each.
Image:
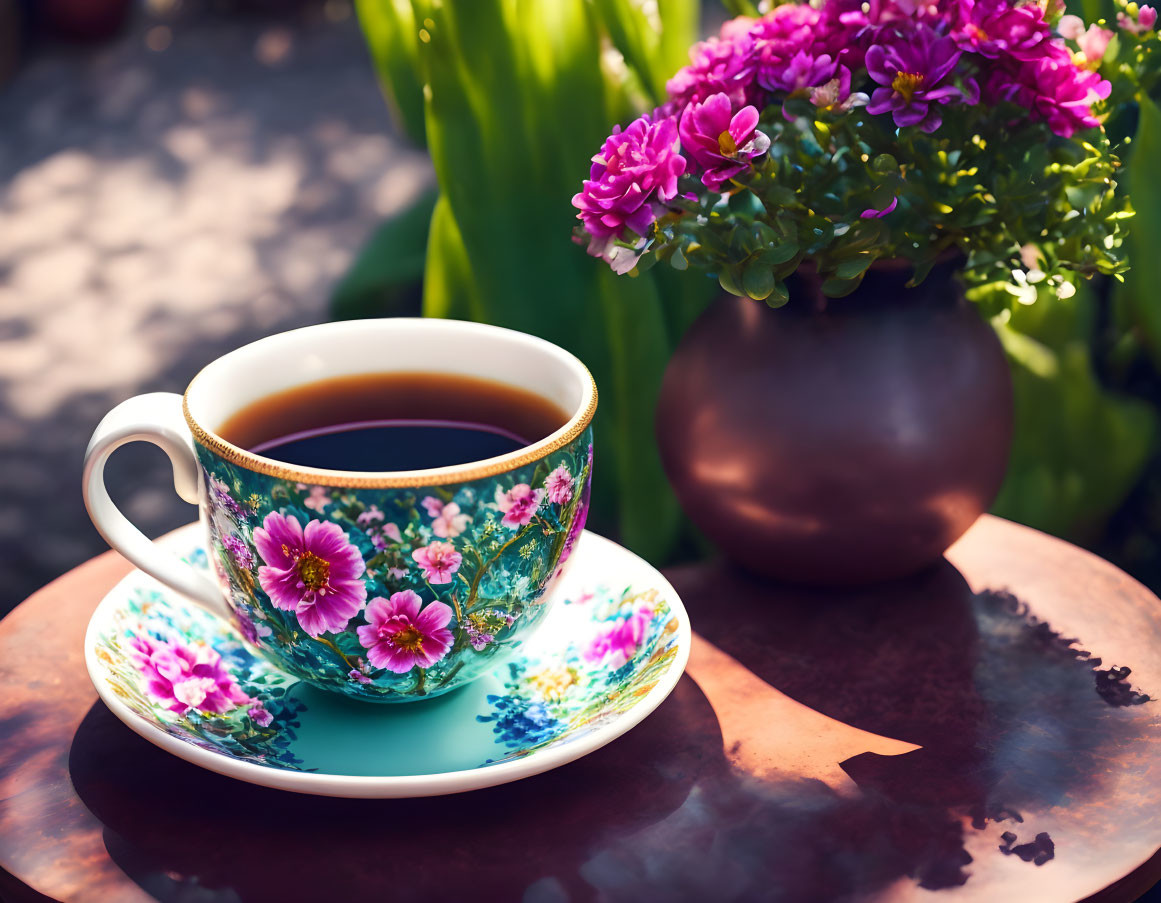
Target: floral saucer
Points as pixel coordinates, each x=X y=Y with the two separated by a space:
x=611 y=648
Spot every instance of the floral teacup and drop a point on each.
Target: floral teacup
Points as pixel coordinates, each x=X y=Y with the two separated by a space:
x=386 y=586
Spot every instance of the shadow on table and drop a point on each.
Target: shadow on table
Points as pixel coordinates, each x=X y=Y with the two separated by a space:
x=1012 y=719
x=170 y=824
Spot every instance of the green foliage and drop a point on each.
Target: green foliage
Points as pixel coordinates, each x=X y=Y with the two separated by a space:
x=988 y=184
x=392 y=34
x=1085 y=444
x=1079 y=447
x=517 y=93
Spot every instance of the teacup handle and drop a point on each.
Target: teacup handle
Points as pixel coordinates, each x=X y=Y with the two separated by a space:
x=157 y=418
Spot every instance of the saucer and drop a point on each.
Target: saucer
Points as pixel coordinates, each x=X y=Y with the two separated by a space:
x=612 y=647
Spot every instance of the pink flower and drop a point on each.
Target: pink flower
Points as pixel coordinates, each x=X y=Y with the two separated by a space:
x=1070 y=27
x=391 y=531
x=1054 y=89
x=313 y=572
x=317 y=499
x=448 y=520
x=559 y=486
x=519 y=504
x=620 y=642
x=912 y=70
x=1093 y=44
x=996 y=29
x=836 y=93
x=718 y=66
x=721 y=144
x=370 y=516
x=186 y=677
x=789 y=31
x=872 y=213
x=399 y=636
x=1146 y=20
x=799 y=73
x=260 y=715
x=439 y=561
x=635 y=168
x=238 y=550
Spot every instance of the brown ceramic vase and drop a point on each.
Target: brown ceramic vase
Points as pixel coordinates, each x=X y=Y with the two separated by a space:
x=838 y=441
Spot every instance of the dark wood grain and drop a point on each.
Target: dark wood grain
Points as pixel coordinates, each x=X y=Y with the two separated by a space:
x=823 y=745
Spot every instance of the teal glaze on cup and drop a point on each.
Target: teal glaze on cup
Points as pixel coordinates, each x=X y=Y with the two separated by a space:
x=382 y=586
x=466 y=565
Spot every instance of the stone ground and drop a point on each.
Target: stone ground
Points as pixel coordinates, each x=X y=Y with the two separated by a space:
x=195 y=184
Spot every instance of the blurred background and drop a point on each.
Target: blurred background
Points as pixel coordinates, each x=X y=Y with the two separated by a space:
x=180 y=177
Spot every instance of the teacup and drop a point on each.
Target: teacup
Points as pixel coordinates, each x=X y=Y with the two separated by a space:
x=329 y=573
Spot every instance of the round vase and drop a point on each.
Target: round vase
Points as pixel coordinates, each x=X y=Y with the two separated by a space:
x=838 y=441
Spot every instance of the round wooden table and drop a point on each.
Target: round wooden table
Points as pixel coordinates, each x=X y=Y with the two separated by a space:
x=969 y=733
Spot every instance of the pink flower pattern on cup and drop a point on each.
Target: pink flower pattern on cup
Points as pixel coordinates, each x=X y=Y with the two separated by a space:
x=401 y=635
x=439 y=561
x=447 y=519
x=519 y=504
x=559 y=486
x=618 y=644
x=313 y=572
x=186 y=677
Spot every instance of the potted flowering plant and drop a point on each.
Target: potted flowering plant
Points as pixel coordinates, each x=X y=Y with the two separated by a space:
x=866 y=166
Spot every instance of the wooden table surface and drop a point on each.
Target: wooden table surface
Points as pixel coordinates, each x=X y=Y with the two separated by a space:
x=963 y=735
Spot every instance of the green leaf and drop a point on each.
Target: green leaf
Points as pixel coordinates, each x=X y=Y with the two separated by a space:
x=1078 y=449
x=729 y=281
x=1141 y=290
x=854 y=266
x=391 y=33
x=836 y=287
x=518 y=99
x=758 y=281
x=773 y=255
x=779 y=296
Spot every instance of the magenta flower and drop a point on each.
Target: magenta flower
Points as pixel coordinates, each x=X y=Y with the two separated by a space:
x=253 y=632
x=399 y=636
x=238 y=550
x=260 y=715
x=718 y=66
x=518 y=504
x=912 y=70
x=720 y=143
x=186 y=677
x=220 y=493
x=578 y=521
x=313 y=572
x=559 y=486
x=1146 y=21
x=635 y=167
x=789 y=30
x=995 y=29
x=1054 y=89
x=439 y=561
x=448 y=520
x=836 y=93
x=619 y=643
x=872 y=213
x=800 y=73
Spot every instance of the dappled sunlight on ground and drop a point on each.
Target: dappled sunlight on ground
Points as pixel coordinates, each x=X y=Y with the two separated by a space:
x=158 y=207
